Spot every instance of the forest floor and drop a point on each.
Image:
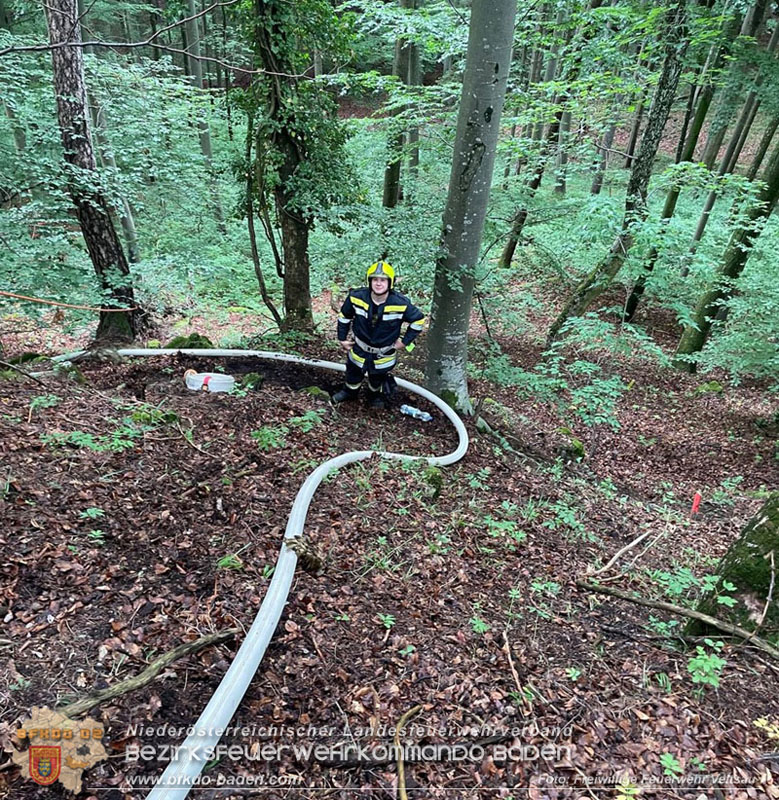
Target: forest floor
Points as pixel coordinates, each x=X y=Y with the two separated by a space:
x=138 y=515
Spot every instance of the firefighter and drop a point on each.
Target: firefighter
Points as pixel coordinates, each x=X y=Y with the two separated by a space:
x=375 y=313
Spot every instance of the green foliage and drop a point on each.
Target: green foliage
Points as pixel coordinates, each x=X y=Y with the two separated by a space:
x=44 y=401
x=671 y=765
x=308 y=421
x=230 y=561
x=387 y=620
x=577 y=389
x=478 y=625
x=706 y=666
x=270 y=437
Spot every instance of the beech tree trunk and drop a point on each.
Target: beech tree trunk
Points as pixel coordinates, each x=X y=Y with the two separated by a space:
x=750 y=565
x=92 y=210
x=484 y=89
x=600 y=277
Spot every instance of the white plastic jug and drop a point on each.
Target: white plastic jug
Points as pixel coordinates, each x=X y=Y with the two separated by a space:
x=208 y=381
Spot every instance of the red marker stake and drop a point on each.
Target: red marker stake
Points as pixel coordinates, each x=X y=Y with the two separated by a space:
x=696 y=503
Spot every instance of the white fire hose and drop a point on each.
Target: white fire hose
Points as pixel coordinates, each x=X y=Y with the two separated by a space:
x=184 y=769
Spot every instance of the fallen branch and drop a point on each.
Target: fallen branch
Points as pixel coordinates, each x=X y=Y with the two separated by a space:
x=619 y=553
x=684 y=612
x=22 y=372
x=527 y=706
x=399 y=752
x=148 y=675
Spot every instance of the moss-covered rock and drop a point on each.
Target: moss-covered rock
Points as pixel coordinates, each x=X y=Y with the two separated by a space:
x=315 y=391
x=434 y=481
x=748 y=565
x=712 y=387
x=195 y=341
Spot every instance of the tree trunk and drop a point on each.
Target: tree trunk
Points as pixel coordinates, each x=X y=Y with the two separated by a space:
x=250 y=223
x=762 y=148
x=729 y=99
x=126 y=218
x=605 y=148
x=92 y=210
x=204 y=132
x=414 y=79
x=484 y=88
x=5 y=16
x=634 y=131
x=290 y=145
x=733 y=262
x=562 y=154
x=400 y=69
x=737 y=140
x=603 y=273
x=520 y=217
x=751 y=565
x=671 y=199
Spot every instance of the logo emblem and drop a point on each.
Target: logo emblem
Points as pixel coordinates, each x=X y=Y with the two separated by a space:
x=60 y=748
x=45 y=764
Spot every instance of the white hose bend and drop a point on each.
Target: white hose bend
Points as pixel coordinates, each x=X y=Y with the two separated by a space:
x=182 y=772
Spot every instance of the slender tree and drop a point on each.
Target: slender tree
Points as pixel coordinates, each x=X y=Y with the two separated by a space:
x=92 y=209
x=204 y=131
x=732 y=265
x=635 y=212
x=484 y=87
x=301 y=142
x=400 y=69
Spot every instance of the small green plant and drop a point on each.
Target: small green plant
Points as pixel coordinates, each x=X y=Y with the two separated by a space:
x=20 y=683
x=531 y=510
x=663 y=681
x=270 y=437
x=671 y=766
x=573 y=673
x=478 y=625
x=706 y=667
x=308 y=421
x=97 y=536
x=724 y=494
x=479 y=480
x=608 y=489
x=42 y=401
x=696 y=763
x=551 y=588
x=387 y=620
x=92 y=513
x=407 y=650
x=502 y=528
x=441 y=544
x=230 y=561
x=268 y=570
x=342 y=617
x=153 y=416
x=663 y=628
